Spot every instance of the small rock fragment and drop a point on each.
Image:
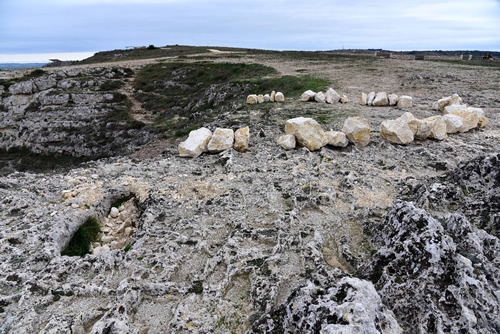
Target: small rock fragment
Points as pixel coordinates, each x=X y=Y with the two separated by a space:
x=344 y=99
x=260 y=98
x=287 y=142
x=241 y=138
x=357 y=130
x=267 y=98
x=337 y=138
x=114 y=212
x=273 y=96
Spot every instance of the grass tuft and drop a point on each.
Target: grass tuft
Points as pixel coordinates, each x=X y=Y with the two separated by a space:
x=79 y=245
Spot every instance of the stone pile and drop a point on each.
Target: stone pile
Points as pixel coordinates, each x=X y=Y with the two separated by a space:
x=308 y=133
x=383 y=99
x=260 y=98
x=453 y=106
x=118 y=227
x=330 y=96
x=202 y=140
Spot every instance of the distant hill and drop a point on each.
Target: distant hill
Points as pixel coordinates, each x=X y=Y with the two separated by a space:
x=17 y=66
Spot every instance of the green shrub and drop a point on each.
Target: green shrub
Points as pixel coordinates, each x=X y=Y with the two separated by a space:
x=79 y=245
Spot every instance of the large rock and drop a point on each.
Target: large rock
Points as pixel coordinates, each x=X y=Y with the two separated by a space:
x=405 y=102
x=222 y=139
x=450 y=108
x=470 y=117
x=357 y=130
x=370 y=98
x=363 y=100
x=396 y=131
x=441 y=104
x=420 y=129
x=272 y=97
x=453 y=123
x=252 y=99
x=308 y=95
x=393 y=99
x=23 y=87
x=241 y=139
x=344 y=99
x=260 y=98
x=438 y=127
x=381 y=99
x=337 y=138
x=320 y=97
x=307 y=132
x=332 y=96
x=196 y=143
x=267 y=98
x=287 y=142
x=279 y=97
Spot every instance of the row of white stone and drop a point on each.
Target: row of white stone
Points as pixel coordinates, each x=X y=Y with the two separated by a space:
x=403 y=130
x=330 y=96
x=273 y=97
x=202 y=140
x=381 y=99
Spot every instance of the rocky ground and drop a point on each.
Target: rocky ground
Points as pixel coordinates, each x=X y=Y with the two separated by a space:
x=379 y=239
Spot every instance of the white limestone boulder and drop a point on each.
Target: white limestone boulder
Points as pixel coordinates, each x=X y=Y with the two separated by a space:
x=332 y=96
x=470 y=118
x=370 y=98
x=453 y=123
x=357 y=130
x=252 y=99
x=260 y=98
x=438 y=127
x=196 y=143
x=241 y=139
x=455 y=99
x=450 y=108
x=279 y=97
x=420 y=129
x=393 y=99
x=405 y=102
x=308 y=95
x=287 y=142
x=222 y=139
x=344 y=99
x=381 y=99
x=336 y=138
x=267 y=98
x=396 y=131
x=320 y=97
x=307 y=132
x=363 y=100
x=272 y=97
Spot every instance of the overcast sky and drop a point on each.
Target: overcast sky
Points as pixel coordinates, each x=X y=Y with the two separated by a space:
x=56 y=26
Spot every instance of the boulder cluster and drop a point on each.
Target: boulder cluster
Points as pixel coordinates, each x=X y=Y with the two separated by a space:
x=308 y=133
x=381 y=99
x=457 y=118
x=260 y=98
x=118 y=227
x=330 y=96
x=202 y=140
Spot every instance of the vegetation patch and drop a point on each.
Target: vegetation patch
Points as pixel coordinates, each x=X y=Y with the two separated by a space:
x=79 y=245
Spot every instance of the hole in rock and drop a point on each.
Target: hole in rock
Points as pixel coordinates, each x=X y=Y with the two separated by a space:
x=115 y=231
